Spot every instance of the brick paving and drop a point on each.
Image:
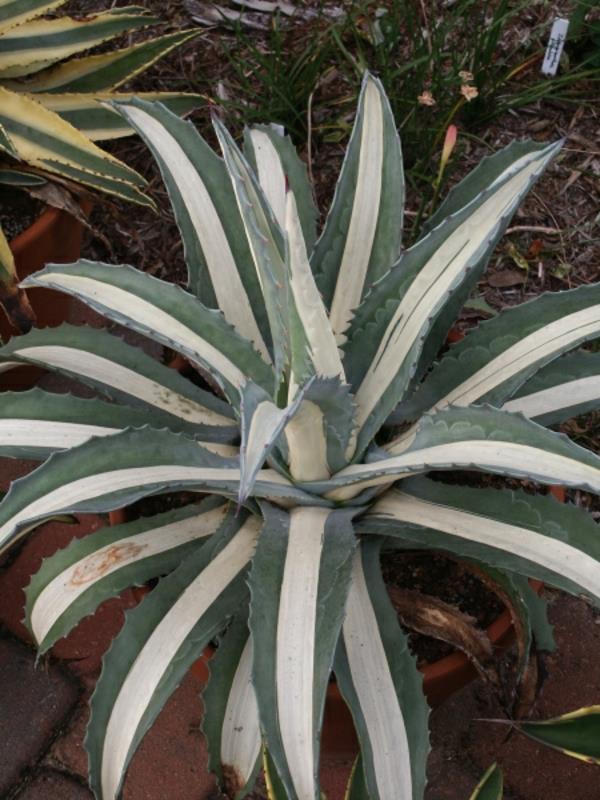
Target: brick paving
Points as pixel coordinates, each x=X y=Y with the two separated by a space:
x=35 y=704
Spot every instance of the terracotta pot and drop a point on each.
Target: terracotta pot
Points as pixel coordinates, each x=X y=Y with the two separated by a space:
x=54 y=236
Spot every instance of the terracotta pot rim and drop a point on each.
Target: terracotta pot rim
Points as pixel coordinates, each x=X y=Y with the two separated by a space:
x=38 y=227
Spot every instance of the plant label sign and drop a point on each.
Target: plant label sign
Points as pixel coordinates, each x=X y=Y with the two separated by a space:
x=554 y=49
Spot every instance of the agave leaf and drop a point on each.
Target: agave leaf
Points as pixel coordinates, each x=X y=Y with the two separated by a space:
x=99 y=73
x=278 y=168
x=262 y=424
x=8 y=270
x=565 y=388
x=21 y=178
x=491 y=786
x=15 y=12
x=230 y=722
x=387 y=333
x=74 y=173
x=512 y=531
x=124 y=373
x=158 y=643
x=482 y=438
x=357 y=786
x=36 y=423
x=5 y=143
x=496 y=358
x=274 y=786
x=13 y=299
x=42 y=139
x=113 y=471
x=266 y=243
x=92 y=114
x=37 y=43
x=73 y=582
x=316 y=337
x=489 y=170
x=378 y=678
x=576 y=734
x=298 y=584
x=320 y=435
x=217 y=254
x=362 y=234
x=163 y=312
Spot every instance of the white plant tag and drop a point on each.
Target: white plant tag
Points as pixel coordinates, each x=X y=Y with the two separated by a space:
x=558 y=35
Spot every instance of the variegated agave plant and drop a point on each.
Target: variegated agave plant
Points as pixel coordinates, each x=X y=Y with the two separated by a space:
x=313 y=344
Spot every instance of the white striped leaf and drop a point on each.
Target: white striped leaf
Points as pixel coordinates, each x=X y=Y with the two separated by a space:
x=15 y=12
x=378 y=678
x=230 y=722
x=218 y=257
x=564 y=389
x=98 y=73
x=321 y=432
x=94 y=116
x=44 y=140
x=35 y=44
x=165 y=313
x=363 y=231
x=491 y=786
x=114 y=471
x=298 y=584
x=73 y=582
x=123 y=373
x=531 y=535
x=481 y=438
x=35 y=423
x=313 y=342
x=387 y=333
x=158 y=643
x=489 y=170
x=278 y=168
x=266 y=244
x=496 y=358
x=262 y=423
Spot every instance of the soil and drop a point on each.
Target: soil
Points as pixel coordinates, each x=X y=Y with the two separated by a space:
x=157 y=504
x=17 y=211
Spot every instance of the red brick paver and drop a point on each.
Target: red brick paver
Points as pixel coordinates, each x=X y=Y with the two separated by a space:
x=35 y=704
x=54 y=786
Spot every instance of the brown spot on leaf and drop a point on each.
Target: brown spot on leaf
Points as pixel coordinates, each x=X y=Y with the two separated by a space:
x=95 y=567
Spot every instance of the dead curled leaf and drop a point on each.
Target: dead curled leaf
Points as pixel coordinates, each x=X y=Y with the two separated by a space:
x=508 y=277
x=433 y=617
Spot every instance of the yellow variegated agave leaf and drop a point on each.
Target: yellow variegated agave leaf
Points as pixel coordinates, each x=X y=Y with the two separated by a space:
x=52 y=109
x=13 y=299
